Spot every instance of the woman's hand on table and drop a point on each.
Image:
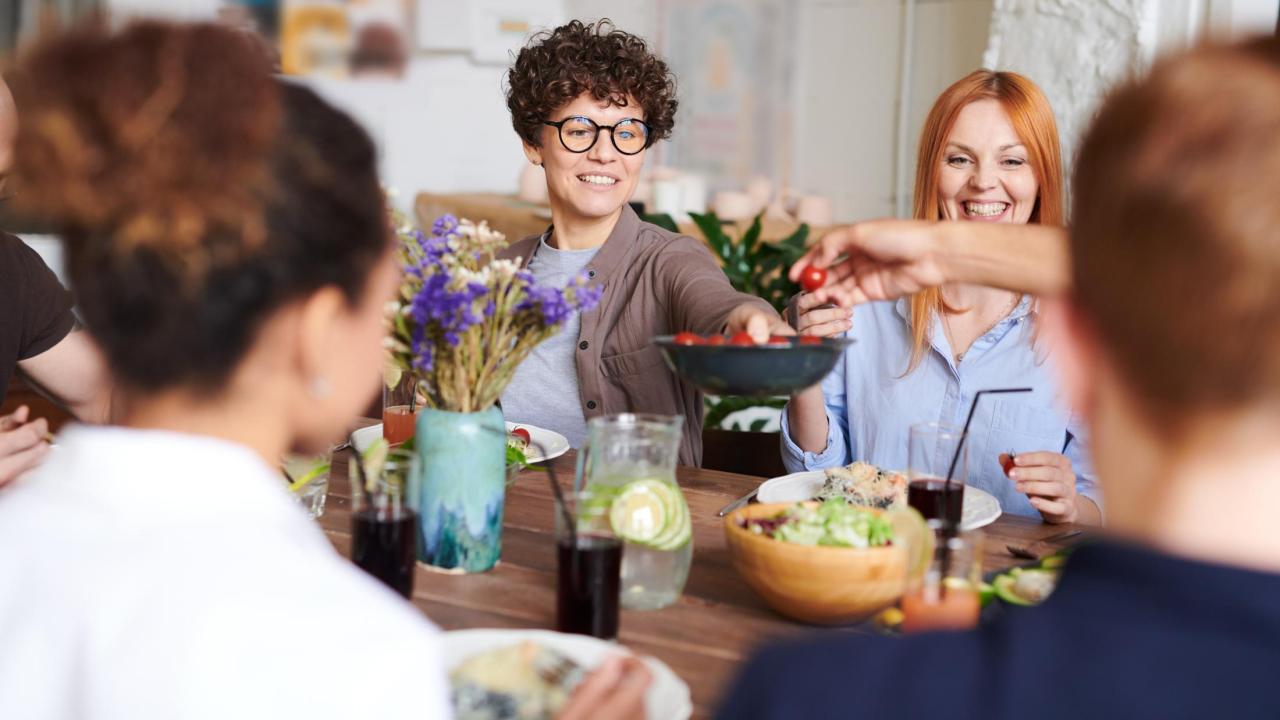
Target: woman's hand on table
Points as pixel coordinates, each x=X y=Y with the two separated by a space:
x=23 y=443
x=756 y=322
x=1049 y=482
x=815 y=316
x=613 y=691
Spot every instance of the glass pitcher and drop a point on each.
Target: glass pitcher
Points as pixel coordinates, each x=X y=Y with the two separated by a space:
x=629 y=461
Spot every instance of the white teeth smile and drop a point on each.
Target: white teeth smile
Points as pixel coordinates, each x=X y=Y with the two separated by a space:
x=597 y=179
x=990 y=209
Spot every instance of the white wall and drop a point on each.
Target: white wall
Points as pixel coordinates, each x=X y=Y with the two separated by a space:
x=848 y=100
x=1074 y=50
x=1077 y=49
x=445 y=128
x=442 y=128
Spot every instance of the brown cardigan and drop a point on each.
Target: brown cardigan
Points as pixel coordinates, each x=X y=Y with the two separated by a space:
x=655 y=283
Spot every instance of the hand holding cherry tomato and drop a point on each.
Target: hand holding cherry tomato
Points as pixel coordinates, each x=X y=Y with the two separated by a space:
x=812 y=278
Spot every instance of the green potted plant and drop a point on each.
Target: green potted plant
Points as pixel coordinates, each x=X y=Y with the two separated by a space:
x=758 y=267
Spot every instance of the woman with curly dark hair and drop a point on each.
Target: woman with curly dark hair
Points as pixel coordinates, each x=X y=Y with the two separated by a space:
x=587 y=101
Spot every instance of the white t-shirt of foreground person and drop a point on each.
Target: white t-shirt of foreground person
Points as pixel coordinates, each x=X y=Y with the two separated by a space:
x=183 y=581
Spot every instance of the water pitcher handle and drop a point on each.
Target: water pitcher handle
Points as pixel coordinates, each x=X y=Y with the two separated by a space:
x=584 y=467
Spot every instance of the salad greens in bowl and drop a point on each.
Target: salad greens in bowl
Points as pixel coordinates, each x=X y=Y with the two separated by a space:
x=834 y=523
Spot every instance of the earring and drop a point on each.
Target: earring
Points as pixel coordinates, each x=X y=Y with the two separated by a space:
x=319 y=387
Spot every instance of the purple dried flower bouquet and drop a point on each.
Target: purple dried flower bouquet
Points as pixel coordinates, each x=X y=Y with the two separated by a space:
x=464 y=319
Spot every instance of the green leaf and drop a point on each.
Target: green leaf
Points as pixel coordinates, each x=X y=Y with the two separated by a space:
x=662 y=220
x=798 y=239
x=752 y=235
x=759 y=424
x=714 y=233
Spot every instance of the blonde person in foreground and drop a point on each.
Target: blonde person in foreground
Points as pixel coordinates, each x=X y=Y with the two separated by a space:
x=230 y=249
x=1167 y=330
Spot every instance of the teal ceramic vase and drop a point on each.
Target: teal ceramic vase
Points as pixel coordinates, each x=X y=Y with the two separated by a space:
x=463 y=483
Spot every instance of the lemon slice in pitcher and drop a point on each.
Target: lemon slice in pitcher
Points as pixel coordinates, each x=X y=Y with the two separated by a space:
x=679 y=530
x=302 y=471
x=643 y=511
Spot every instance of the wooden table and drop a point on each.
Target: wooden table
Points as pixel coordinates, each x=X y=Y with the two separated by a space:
x=703 y=637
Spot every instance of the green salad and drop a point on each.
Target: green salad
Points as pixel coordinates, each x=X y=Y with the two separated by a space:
x=834 y=523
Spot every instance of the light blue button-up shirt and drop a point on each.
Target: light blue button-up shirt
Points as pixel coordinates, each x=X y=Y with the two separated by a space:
x=871 y=404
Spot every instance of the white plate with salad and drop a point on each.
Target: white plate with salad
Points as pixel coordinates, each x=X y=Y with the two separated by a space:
x=980 y=507
x=543 y=444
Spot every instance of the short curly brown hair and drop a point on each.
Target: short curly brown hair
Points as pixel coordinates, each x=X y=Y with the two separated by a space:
x=559 y=65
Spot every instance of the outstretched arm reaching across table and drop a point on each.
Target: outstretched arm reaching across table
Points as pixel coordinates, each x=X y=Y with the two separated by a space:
x=888 y=259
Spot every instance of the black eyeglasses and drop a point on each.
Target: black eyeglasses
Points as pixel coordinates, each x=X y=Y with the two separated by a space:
x=579 y=134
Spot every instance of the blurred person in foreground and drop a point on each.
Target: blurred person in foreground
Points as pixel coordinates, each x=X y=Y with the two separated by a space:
x=230 y=249
x=1168 y=342
x=37 y=334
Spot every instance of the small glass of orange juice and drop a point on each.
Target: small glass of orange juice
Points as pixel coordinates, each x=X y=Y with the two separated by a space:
x=946 y=596
x=400 y=407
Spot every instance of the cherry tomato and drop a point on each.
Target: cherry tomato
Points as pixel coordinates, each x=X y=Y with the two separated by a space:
x=688 y=338
x=779 y=340
x=1007 y=463
x=521 y=434
x=741 y=338
x=715 y=340
x=812 y=278
x=810 y=340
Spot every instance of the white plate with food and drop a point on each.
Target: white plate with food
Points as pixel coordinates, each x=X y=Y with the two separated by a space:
x=543 y=444
x=500 y=668
x=864 y=484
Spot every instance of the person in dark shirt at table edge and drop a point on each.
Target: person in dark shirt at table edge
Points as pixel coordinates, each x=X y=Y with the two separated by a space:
x=1169 y=340
x=37 y=334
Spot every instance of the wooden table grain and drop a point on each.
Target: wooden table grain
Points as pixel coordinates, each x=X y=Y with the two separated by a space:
x=703 y=637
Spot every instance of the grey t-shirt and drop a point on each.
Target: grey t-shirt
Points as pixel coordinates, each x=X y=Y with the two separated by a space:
x=544 y=389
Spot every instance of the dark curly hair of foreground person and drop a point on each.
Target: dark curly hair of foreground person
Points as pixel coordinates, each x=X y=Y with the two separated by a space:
x=559 y=65
x=193 y=204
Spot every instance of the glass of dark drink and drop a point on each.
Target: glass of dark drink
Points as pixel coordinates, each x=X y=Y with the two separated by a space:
x=931 y=449
x=384 y=518
x=588 y=567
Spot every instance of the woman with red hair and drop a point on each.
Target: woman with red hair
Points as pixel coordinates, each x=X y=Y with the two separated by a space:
x=988 y=154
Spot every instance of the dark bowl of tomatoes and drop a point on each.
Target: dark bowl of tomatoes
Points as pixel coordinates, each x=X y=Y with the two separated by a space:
x=735 y=365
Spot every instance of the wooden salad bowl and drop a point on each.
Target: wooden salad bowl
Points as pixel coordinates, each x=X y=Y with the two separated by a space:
x=816 y=584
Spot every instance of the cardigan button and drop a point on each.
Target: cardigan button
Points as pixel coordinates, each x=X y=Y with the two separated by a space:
x=591 y=273
x=591 y=404
x=583 y=345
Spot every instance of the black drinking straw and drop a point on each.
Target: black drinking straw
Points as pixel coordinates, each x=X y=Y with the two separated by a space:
x=559 y=497
x=949 y=528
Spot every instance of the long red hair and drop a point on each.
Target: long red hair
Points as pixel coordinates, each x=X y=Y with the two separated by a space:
x=1032 y=119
